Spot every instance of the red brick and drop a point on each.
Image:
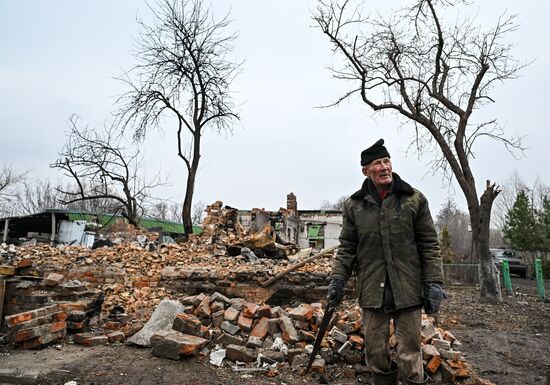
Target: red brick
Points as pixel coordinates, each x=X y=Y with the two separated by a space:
x=261 y=329
x=187 y=324
x=25 y=263
x=203 y=309
x=61 y=316
x=289 y=332
x=264 y=311
x=433 y=364
x=29 y=315
x=356 y=340
x=44 y=339
x=113 y=325
x=244 y=323
x=302 y=313
x=53 y=279
x=38 y=331
x=231 y=314
x=176 y=345
x=70 y=306
x=249 y=309
x=116 y=336
x=88 y=339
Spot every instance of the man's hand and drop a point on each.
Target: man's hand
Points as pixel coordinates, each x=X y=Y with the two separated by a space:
x=335 y=292
x=433 y=295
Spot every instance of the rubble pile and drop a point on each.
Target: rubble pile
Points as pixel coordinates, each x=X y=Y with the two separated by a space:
x=277 y=338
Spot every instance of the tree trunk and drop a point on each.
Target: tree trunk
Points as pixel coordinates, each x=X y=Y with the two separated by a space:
x=480 y=217
x=190 y=187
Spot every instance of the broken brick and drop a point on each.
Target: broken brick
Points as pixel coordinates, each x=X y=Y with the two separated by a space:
x=261 y=329
x=303 y=312
x=289 y=332
x=187 y=324
x=244 y=323
x=29 y=315
x=240 y=353
x=176 y=345
x=434 y=364
x=203 y=309
x=116 y=336
x=249 y=309
x=53 y=279
x=231 y=314
x=264 y=311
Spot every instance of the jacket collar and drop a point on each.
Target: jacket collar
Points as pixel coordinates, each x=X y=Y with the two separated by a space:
x=399 y=187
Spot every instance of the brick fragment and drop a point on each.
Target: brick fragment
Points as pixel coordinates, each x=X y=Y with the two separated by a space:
x=240 y=353
x=274 y=355
x=203 y=309
x=231 y=314
x=337 y=335
x=25 y=263
x=434 y=364
x=229 y=327
x=289 y=332
x=44 y=340
x=89 y=339
x=27 y=334
x=303 y=312
x=244 y=323
x=302 y=325
x=217 y=318
x=357 y=341
x=217 y=297
x=254 y=342
x=53 y=279
x=29 y=315
x=187 y=324
x=249 y=309
x=319 y=365
x=176 y=345
x=273 y=326
x=264 y=311
x=261 y=329
x=227 y=339
x=116 y=336
x=441 y=344
x=429 y=351
x=306 y=336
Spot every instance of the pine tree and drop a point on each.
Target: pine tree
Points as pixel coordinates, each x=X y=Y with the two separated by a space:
x=543 y=224
x=520 y=225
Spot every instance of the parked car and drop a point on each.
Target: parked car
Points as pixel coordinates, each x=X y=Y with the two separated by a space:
x=517 y=266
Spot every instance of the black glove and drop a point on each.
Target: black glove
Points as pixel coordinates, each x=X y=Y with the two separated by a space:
x=433 y=295
x=335 y=292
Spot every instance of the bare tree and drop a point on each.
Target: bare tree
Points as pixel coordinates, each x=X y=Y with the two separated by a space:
x=328 y=205
x=10 y=178
x=102 y=168
x=183 y=73
x=433 y=77
x=36 y=195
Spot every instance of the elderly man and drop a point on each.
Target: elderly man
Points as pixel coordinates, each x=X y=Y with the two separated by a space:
x=388 y=239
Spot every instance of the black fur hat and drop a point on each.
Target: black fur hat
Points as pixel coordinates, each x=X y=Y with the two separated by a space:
x=376 y=151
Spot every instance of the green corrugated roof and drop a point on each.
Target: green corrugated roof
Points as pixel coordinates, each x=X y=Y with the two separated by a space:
x=107 y=220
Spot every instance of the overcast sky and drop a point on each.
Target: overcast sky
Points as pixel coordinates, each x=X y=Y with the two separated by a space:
x=61 y=57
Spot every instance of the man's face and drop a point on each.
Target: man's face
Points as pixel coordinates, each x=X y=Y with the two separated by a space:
x=380 y=171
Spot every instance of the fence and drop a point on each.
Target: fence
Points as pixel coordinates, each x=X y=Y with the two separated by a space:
x=461 y=273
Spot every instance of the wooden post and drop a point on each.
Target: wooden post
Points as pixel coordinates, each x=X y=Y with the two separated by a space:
x=52 y=238
x=6 y=226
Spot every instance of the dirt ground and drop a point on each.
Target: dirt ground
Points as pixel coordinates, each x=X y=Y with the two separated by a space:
x=508 y=344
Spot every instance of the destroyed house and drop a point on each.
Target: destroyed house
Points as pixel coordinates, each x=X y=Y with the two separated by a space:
x=74 y=227
x=318 y=229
